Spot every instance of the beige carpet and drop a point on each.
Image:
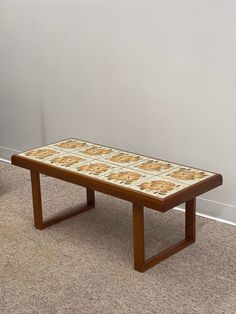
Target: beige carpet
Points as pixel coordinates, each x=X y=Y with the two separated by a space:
x=85 y=264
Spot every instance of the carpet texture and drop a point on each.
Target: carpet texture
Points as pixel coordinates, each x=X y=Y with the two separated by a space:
x=85 y=264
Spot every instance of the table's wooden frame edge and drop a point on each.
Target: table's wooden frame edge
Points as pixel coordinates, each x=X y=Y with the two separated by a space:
x=120 y=191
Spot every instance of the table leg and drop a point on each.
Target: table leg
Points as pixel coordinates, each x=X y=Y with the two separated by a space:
x=140 y=263
x=90 y=197
x=138 y=237
x=190 y=219
x=37 y=205
x=37 y=202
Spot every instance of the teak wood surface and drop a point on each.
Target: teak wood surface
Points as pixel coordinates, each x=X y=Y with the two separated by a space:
x=138 y=199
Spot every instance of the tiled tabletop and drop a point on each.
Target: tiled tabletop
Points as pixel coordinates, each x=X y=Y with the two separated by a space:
x=143 y=174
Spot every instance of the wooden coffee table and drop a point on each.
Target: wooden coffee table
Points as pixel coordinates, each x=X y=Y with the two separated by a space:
x=141 y=180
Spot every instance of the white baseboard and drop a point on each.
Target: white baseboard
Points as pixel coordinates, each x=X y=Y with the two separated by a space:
x=5 y=153
x=205 y=208
x=214 y=210
x=4 y=160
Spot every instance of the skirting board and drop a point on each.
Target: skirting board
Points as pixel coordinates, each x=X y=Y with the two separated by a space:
x=205 y=208
x=5 y=153
x=214 y=210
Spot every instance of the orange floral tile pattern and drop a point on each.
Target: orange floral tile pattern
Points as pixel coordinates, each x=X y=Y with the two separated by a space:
x=71 y=144
x=67 y=160
x=123 y=158
x=97 y=151
x=41 y=153
x=159 y=187
x=186 y=175
x=95 y=168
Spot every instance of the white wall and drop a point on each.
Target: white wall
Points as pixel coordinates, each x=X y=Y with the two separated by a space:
x=155 y=77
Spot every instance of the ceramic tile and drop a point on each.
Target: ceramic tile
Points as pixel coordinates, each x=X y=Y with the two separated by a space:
x=95 y=151
x=125 y=176
x=158 y=186
x=186 y=175
x=94 y=168
x=153 y=166
x=42 y=153
x=123 y=159
x=70 y=145
x=67 y=160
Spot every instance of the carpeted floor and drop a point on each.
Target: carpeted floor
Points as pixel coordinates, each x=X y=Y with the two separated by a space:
x=85 y=264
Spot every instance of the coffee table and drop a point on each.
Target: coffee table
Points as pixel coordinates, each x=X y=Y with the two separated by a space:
x=141 y=180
